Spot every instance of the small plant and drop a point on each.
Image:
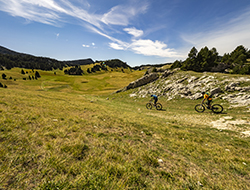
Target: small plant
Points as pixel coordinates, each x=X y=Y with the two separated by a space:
x=3 y=85
x=4 y=76
x=37 y=74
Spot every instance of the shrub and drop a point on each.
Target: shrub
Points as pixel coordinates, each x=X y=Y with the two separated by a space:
x=4 y=76
x=37 y=74
x=3 y=85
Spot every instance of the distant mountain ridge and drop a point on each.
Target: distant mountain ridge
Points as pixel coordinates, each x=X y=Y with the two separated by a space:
x=4 y=50
x=7 y=51
x=10 y=59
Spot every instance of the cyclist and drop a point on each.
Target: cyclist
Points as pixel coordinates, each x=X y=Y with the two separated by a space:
x=208 y=97
x=155 y=98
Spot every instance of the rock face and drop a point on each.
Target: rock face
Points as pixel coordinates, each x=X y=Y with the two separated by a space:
x=172 y=84
x=141 y=81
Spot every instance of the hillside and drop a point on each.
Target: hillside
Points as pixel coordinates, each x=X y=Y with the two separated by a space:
x=10 y=59
x=4 y=50
x=189 y=85
x=72 y=132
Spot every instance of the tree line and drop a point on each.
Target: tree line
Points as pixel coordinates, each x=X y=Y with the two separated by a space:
x=10 y=59
x=99 y=65
x=209 y=60
x=30 y=62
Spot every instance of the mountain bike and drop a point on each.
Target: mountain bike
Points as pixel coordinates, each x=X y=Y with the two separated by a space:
x=216 y=108
x=149 y=105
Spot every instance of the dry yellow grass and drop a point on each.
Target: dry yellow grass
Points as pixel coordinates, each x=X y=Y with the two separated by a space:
x=68 y=138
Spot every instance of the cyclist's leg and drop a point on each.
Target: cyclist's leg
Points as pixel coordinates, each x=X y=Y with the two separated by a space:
x=209 y=103
x=156 y=99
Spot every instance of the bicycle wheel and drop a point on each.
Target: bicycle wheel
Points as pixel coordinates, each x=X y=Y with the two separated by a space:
x=199 y=108
x=217 y=108
x=149 y=106
x=158 y=106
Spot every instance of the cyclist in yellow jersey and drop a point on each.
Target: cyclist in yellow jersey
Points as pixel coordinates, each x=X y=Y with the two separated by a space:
x=207 y=97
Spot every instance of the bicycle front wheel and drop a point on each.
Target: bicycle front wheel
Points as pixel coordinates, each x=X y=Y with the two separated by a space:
x=158 y=106
x=217 y=108
x=199 y=108
x=149 y=106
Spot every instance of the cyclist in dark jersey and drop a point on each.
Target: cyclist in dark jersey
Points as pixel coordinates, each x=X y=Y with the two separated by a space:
x=155 y=99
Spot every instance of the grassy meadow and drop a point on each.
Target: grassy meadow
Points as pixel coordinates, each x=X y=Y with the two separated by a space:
x=73 y=132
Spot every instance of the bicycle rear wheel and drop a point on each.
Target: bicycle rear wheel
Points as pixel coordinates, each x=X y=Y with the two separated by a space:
x=158 y=106
x=217 y=108
x=199 y=108
x=149 y=106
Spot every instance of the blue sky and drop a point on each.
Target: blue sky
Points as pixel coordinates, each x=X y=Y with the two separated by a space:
x=134 y=31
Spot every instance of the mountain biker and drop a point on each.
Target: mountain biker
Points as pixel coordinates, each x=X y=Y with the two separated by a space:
x=208 y=97
x=155 y=98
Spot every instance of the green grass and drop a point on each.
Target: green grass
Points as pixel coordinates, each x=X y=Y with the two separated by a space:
x=74 y=134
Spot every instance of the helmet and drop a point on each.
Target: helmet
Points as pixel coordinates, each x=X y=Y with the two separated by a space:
x=203 y=93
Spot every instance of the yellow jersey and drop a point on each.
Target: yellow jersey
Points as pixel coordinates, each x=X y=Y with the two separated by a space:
x=207 y=96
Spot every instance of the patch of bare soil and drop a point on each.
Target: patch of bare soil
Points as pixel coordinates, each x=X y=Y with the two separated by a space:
x=227 y=123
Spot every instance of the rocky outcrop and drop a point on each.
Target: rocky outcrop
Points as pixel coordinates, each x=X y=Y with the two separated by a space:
x=141 y=81
x=167 y=73
x=180 y=84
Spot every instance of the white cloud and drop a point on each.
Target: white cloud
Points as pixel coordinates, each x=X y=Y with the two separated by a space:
x=53 y=12
x=152 y=48
x=116 y=46
x=134 y=32
x=121 y=14
x=93 y=44
x=147 y=47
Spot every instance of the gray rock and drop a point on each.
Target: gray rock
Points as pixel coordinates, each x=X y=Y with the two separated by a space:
x=216 y=91
x=196 y=96
x=167 y=73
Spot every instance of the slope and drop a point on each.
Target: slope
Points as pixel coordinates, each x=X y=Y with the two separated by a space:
x=67 y=139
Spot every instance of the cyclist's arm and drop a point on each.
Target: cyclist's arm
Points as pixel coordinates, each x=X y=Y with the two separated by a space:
x=204 y=98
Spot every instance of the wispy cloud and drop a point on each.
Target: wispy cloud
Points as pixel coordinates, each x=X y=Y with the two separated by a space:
x=83 y=45
x=147 y=47
x=121 y=14
x=86 y=45
x=44 y=11
x=53 y=12
x=134 y=32
x=152 y=48
x=117 y=46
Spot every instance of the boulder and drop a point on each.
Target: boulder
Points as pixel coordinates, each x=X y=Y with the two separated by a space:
x=196 y=96
x=231 y=87
x=142 y=81
x=245 y=89
x=216 y=91
x=181 y=80
x=192 y=79
x=167 y=73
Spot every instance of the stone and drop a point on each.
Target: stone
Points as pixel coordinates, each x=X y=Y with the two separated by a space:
x=216 y=91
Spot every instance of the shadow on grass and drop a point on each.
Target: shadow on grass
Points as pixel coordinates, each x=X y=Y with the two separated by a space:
x=162 y=110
